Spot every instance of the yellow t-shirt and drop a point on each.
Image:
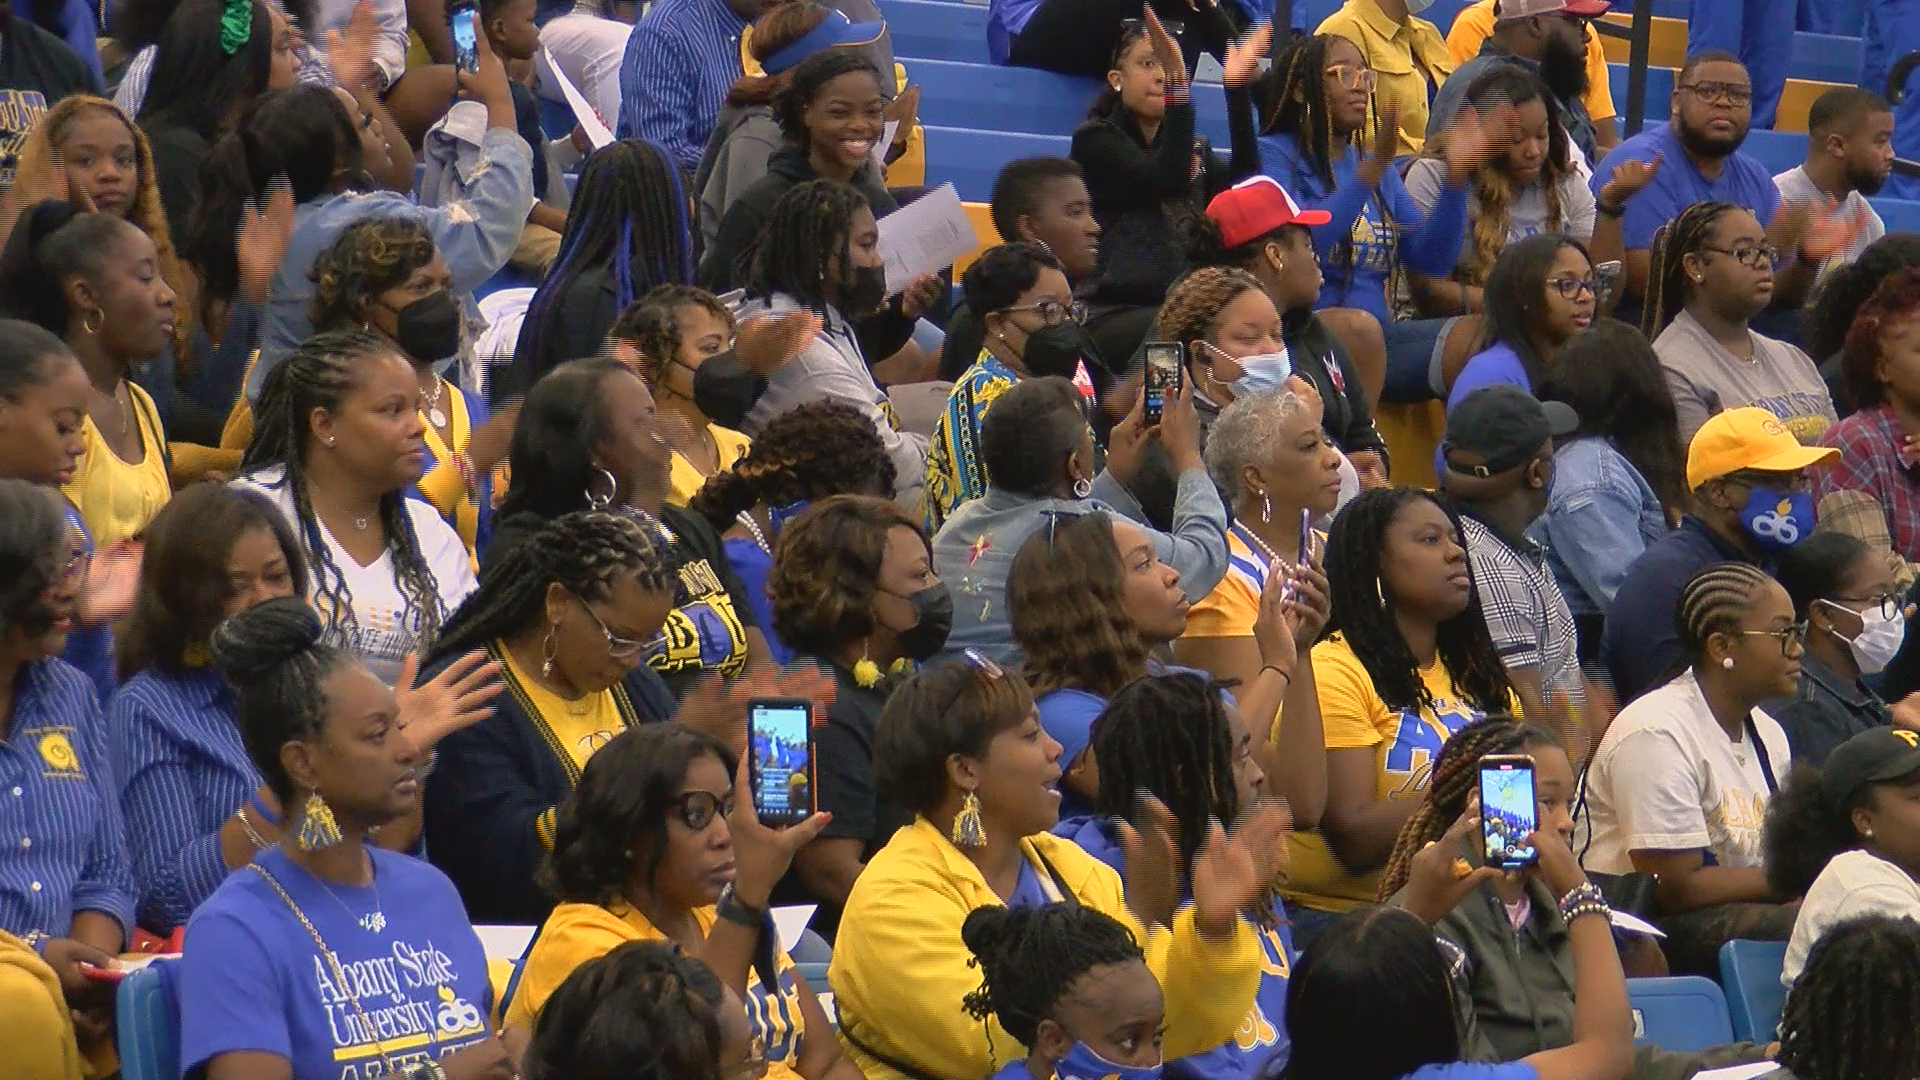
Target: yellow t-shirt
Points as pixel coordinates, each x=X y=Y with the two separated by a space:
x=1233 y=606
x=576 y=933
x=1406 y=743
x=729 y=446
x=115 y=499
x=578 y=727
x=1409 y=61
x=1474 y=25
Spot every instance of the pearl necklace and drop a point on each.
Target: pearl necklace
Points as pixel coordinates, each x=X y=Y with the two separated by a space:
x=745 y=518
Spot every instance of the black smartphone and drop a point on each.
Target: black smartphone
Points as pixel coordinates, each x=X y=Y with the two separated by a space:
x=1605 y=276
x=504 y=382
x=1165 y=360
x=463 y=17
x=1508 y=811
x=780 y=769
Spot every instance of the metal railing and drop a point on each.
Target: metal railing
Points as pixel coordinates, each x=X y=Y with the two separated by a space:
x=1638 y=36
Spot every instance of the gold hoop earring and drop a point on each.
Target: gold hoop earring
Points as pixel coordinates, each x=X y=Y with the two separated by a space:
x=547 y=654
x=318 y=827
x=87 y=322
x=968 y=830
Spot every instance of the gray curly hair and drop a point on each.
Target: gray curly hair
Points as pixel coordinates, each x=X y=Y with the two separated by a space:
x=1244 y=434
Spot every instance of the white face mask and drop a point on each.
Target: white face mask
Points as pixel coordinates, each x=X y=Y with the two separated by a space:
x=1879 y=639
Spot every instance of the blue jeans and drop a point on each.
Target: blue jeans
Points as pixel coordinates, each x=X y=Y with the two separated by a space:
x=1307 y=923
x=1414 y=347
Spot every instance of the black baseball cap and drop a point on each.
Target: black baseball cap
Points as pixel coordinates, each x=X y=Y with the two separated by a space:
x=1502 y=427
x=1871 y=757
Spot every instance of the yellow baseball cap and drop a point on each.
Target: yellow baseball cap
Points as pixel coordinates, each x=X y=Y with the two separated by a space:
x=1748 y=438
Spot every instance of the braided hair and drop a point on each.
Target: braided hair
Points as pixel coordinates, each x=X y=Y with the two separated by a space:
x=807 y=240
x=1066 y=601
x=1493 y=190
x=581 y=552
x=808 y=453
x=1169 y=736
x=1030 y=958
x=1668 y=287
x=1362 y=615
x=1194 y=303
x=1455 y=776
x=273 y=656
x=369 y=257
x=641 y=1011
x=1850 y=1014
x=629 y=221
x=319 y=374
x=1712 y=603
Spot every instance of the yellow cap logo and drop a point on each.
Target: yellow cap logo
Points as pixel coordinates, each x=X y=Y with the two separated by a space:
x=58 y=754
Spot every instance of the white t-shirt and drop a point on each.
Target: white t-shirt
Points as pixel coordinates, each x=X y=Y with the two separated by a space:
x=377 y=625
x=1527 y=215
x=1855 y=883
x=1666 y=778
x=1796 y=186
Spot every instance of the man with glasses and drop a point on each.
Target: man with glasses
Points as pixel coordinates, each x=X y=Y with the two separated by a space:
x=1548 y=38
x=1753 y=500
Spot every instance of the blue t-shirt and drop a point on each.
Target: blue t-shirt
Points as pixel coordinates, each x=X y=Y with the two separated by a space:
x=753 y=565
x=252 y=979
x=1492 y=366
x=1467 y=1070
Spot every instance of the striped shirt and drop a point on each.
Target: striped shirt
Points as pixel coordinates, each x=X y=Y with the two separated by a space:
x=183 y=770
x=62 y=849
x=681 y=58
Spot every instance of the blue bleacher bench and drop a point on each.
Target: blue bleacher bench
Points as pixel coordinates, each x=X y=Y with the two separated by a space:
x=1750 y=971
x=971 y=158
x=1026 y=100
x=1679 y=1013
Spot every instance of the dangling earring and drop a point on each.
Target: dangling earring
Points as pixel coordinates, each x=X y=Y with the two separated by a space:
x=318 y=829
x=866 y=673
x=968 y=830
x=1380 y=590
x=547 y=654
x=1727 y=662
x=1082 y=488
x=601 y=502
x=1266 y=509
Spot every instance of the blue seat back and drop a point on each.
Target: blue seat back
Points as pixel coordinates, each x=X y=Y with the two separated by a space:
x=1750 y=971
x=1679 y=1013
x=147 y=1024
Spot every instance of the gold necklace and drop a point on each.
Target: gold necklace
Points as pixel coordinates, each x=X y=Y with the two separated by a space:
x=434 y=415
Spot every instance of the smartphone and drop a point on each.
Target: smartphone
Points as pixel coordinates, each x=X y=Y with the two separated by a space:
x=101 y=974
x=1165 y=360
x=1605 y=276
x=780 y=766
x=505 y=382
x=1508 y=812
x=464 y=19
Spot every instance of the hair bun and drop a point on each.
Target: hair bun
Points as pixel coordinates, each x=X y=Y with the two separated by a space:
x=989 y=931
x=248 y=646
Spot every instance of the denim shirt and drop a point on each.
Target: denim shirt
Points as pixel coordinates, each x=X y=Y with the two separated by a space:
x=973 y=552
x=1601 y=514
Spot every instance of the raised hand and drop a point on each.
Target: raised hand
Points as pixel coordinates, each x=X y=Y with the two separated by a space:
x=1243 y=56
x=719 y=708
x=1371 y=467
x=113 y=579
x=1628 y=177
x=920 y=296
x=1310 y=607
x=1149 y=860
x=1474 y=135
x=1828 y=228
x=1180 y=428
x=1167 y=51
x=1128 y=441
x=347 y=52
x=1273 y=623
x=260 y=238
x=766 y=340
x=761 y=855
x=460 y=696
x=1439 y=878
x=1233 y=866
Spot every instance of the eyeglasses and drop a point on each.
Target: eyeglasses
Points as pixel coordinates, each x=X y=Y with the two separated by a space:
x=697 y=809
x=1891 y=606
x=1714 y=93
x=618 y=648
x=1053 y=313
x=1791 y=638
x=1352 y=78
x=1570 y=288
x=1754 y=256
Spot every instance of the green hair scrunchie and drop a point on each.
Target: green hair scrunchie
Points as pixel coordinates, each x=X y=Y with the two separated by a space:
x=236 y=25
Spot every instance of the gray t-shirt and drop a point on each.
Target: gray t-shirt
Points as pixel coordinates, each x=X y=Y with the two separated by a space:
x=1527 y=215
x=1705 y=378
x=1795 y=186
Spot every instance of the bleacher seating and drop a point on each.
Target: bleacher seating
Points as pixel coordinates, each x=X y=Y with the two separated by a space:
x=1750 y=973
x=1679 y=1013
x=147 y=1024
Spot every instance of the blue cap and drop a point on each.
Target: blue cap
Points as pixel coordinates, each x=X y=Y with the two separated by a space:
x=835 y=30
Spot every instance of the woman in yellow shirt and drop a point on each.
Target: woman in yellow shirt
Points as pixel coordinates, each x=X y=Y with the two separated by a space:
x=672 y=331
x=961 y=746
x=660 y=841
x=94 y=279
x=1409 y=663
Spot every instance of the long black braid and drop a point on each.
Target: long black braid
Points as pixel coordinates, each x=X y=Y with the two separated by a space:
x=582 y=552
x=1362 y=615
x=1668 y=288
x=1169 y=735
x=806 y=241
x=1030 y=957
x=1850 y=1013
x=1455 y=775
x=319 y=374
x=809 y=453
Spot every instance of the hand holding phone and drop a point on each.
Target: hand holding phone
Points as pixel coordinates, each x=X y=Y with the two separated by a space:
x=463 y=18
x=100 y=974
x=1165 y=361
x=1509 y=812
x=780 y=759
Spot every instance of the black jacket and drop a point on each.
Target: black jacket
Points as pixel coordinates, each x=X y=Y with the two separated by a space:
x=1319 y=358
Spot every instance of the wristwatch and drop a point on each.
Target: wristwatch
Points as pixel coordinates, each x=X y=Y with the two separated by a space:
x=734 y=910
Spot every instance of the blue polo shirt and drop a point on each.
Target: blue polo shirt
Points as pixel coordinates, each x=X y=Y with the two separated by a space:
x=1641 y=640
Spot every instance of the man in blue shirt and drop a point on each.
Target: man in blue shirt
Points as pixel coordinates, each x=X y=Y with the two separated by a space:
x=1752 y=499
x=681 y=58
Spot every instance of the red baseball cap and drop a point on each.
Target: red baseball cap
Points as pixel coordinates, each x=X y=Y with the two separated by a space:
x=1523 y=9
x=1255 y=207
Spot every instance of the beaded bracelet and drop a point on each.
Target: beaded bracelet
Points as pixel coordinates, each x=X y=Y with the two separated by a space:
x=1587 y=907
x=1586 y=892
x=37 y=940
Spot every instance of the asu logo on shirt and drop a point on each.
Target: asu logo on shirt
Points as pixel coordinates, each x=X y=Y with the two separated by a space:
x=56 y=754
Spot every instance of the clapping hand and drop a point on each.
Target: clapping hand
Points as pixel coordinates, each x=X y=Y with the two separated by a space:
x=1474 y=136
x=1386 y=138
x=347 y=52
x=460 y=696
x=1628 y=177
x=766 y=340
x=1148 y=860
x=260 y=237
x=1243 y=56
x=1233 y=866
x=1167 y=51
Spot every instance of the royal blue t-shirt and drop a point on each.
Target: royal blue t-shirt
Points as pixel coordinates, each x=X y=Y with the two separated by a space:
x=1466 y=1070
x=252 y=979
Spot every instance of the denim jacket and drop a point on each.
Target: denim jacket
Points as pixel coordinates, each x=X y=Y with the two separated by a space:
x=1601 y=514
x=973 y=552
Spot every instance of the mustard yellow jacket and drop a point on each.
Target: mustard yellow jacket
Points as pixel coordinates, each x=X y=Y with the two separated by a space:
x=900 y=969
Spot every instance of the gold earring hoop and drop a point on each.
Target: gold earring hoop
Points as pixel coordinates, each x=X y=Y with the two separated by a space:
x=547 y=654
x=87 y=321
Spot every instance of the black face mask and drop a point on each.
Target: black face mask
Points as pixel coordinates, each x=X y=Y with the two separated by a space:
x=428 y=329
x=933 y=614
x=1055 y=350
x=866 y=293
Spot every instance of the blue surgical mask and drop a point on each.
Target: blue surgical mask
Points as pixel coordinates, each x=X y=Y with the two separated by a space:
x=1081 y=1063
x=1777 y=520
x=1261 y=372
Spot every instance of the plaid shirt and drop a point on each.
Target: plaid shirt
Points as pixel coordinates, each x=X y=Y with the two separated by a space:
x=1523 y=606
x=1870 y=463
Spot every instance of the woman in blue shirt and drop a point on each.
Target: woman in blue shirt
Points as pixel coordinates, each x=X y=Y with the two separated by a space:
x=1318 y=101
x=66 y=892
x=1178 y=739
x=328 y=956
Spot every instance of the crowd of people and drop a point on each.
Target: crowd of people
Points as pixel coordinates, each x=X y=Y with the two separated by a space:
x=348 y=604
